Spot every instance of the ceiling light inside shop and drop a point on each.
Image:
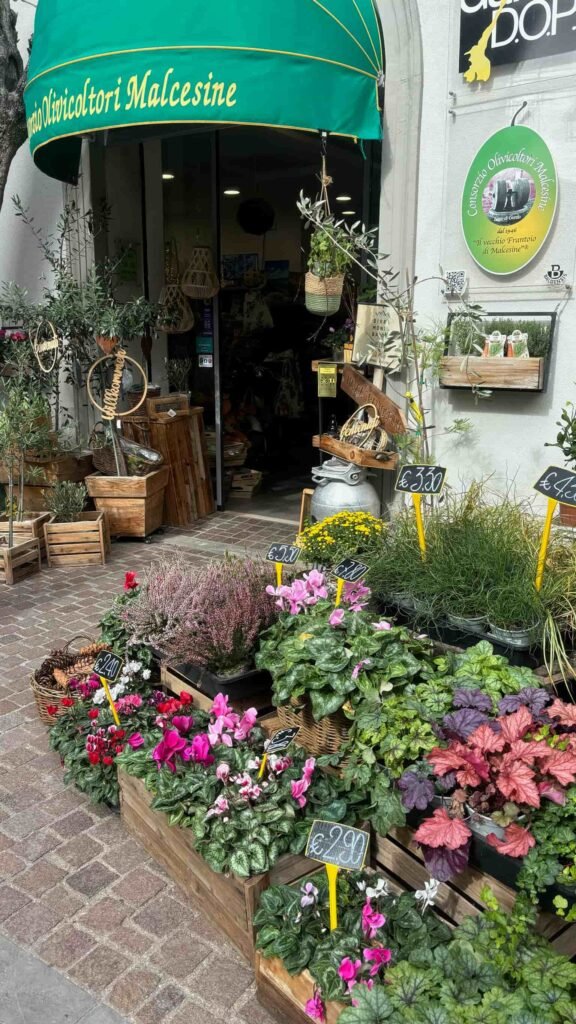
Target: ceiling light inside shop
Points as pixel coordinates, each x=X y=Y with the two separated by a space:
x=348 y=213
x=343 y=199
x=231 y=191
x=167 y=176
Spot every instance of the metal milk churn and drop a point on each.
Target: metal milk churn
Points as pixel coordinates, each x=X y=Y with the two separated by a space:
x=342 y=486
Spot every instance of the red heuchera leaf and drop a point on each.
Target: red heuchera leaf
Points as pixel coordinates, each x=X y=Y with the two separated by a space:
x=565 y=712
x=486 y=740
x=516 y=782
x=517 y=843
x=552 y=792
x=442 y=830
x=562 y=765
x=527 y=751
x=467 y=776
x=516 y=725
x=446 y=760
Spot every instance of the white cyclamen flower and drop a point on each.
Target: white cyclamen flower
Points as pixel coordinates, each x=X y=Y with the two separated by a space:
x=146 y=673
x=381 y=889
x=428 y=894
x=99 y=697
x=135 y=666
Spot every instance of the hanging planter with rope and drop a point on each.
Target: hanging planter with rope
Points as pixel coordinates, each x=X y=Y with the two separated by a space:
x=200 y=280
x=327 y=261
x=178 y=317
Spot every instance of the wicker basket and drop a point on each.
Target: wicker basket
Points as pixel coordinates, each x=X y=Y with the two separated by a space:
x=51 y=681
x=139 y=459
x=323 y=294
x=364 y=430
x=324 y=737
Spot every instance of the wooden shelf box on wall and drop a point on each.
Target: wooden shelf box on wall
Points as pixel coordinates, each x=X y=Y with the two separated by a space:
x=496 y=374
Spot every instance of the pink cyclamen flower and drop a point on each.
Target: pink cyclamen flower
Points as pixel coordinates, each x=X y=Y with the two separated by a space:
x=359 y=667
x=279 y=764
x=247 y=723
x=349 y=970
x=337 y=617
x=316 y=581
x=297 y=790
x=309 y=766
x=371 y=920
x=382 y=625
x=199 y=751
x=309 y=895
x=223 y=772
x=220 y=705
x=183 y=723
x=356 y=595
x=171 y=744
x=377 y=956
x=315 y=1008
x=136 y=740
x=220 y=806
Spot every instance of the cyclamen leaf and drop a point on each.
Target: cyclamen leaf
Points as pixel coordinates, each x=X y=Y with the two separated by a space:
x=461 y=724
x=517 y=843
x=240 y=863
x=416 y=791
x=566 y=713
x=562 y=765
x=442 y=830
x=517 y=783
x=516 y=725
x=443 y=864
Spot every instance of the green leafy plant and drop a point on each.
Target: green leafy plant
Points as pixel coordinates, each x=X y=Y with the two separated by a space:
x=23 y=428
x=566 y=437
x=66 y=501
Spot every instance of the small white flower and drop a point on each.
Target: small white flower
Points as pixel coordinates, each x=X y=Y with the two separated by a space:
x=135 y=666
x=99 y=697
x=428 y=894
x=381 y=889
x=264 y=785
x=253 y=764
x=124 y=680
x=361 y=886
x=146 y=674
x=117 y=690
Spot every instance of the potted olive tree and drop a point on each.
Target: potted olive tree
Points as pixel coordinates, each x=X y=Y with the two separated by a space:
x=74 y=537
x=566 y=442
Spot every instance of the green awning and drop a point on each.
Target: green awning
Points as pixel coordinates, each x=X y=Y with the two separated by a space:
x=98 y=65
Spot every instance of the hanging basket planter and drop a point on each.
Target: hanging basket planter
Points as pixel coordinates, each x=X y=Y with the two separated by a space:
x=323 y=294
x=200 y=280
x=180 y=318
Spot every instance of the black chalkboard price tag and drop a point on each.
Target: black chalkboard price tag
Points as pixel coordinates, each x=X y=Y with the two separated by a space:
x=281 y=740
x=349 y=570
x=340 y=845
x=558 y=484
x=421 y=479
x=284 y=554
x=108 y=666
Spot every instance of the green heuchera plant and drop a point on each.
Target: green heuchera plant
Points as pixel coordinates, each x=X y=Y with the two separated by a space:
x=552 y=860
x=375 y=928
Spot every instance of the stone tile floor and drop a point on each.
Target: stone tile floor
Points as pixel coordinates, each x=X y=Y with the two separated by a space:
x=76 y=892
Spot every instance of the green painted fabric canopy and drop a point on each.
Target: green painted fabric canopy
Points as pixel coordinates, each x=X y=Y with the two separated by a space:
x=98 y=65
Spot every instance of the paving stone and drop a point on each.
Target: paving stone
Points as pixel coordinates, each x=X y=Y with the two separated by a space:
x=32 y=922
x=92 y=878
x=72 y=824
x=99 y=969
x=79 y=851
x=10 y=864
x=126 y=856
x=252 y=1012
x=37 y=845
x=20 y=825
x=105 y=915
x=160 y=1005
x=139 y=886
x=130 y=939
x=160 y=916
x=66 y=946
x=132 y=989
x=40 y=877
x=208 y=982
x=192 y=1012
x=180 y=955
x=11 y=901
x=61 y=899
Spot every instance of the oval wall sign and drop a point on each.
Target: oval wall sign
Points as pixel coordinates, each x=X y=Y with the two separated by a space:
x=509 y=200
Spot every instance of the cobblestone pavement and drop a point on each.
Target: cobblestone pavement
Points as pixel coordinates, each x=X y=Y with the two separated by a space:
x=75 y=890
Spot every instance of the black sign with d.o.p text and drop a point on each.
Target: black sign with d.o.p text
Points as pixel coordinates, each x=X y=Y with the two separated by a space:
x=522 y=30
x=421 y=479
x=286 y=554
x=559 y=484
x=342 y=845
x=108 y=665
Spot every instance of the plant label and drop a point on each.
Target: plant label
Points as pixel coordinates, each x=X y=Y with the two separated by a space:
x=339 y=845
x=108 y=666
x=349 y=570
x=421 y=479
x=558 y=484
x=283 y=554
x=281 y=740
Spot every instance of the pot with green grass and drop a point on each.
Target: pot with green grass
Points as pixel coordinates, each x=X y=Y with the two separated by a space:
x=74 y=537
x=515 y=614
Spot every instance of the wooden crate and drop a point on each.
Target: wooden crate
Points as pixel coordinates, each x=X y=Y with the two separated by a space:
x=66 y=466
x=401 y=859
x=286 y=996
x=19 y=561
x=350 y=453
x=84 y=542
x=32 y=526
x=157 y=408
x=175 y=683
x=498 y=374
x=134 y=505
x=229 y=902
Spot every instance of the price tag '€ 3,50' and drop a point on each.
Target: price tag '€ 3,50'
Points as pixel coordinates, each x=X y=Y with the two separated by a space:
x=339 y=847
x=108 y=666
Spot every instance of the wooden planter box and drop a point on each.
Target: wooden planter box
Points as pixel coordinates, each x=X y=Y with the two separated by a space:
x=62 y=467
x=82 y=543
x=31 y=527
x=497 y=374
x=176 y=681
x=19 y=561
x=286 y=996
x=401 y=859
x=134 y=505
x=229 y=902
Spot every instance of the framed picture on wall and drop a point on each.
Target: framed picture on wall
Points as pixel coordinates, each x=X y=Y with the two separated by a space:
x=378 y=336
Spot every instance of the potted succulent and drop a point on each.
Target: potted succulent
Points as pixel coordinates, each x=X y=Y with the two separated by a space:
x=74 y=537
x=566 y=442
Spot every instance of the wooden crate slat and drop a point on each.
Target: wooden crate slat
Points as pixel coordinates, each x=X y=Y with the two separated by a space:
x=174 y=682
x=350 y=453
x=284 y=995
x=504 y=373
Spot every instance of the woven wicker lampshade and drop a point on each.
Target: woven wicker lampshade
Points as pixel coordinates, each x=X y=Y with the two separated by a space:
x=200 y=280
x=180 y=317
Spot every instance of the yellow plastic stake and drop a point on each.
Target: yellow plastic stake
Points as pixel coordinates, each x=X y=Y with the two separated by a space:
x=552 y=503
x=263 y=766
x=417 y=499
x=278 y=573
x=110 y=701
x=339 y=592
x=332 y=872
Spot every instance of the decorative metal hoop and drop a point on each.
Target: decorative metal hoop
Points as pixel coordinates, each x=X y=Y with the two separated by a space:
x=120 y=354
x=51 y=345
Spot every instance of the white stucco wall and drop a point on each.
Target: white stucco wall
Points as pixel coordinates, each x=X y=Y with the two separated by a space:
x=509 y=429
x=20 y=258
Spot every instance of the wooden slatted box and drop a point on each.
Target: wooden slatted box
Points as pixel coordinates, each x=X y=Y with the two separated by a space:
x=20 y=561
x=84 y=542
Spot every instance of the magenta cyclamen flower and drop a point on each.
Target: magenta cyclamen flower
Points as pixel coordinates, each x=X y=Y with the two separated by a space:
x=171 y=744
x=136 y=740
x=299 y=788
x=371 y=920
x=183 y=723
x=358 y=668
x=349 y=970
x=199 y=750
x=337 y=617
x=247 y=723
x=220 y=705
x=377 y=956
x=315 y=1008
